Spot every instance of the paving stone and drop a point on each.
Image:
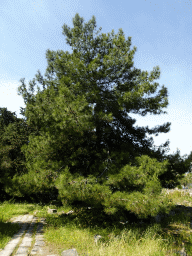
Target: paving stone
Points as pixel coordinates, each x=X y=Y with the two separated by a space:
x=28 y=235
x=6 y=253
x=30 y=231
x=39 y=238
x=10 y=246
x=23 y=254
x=22 y=249
x=26 y=244
x=39 y=233
x=39 y=243
x=40 y=230
x=71 y=252
x=27 y=239
x=35 y=250
x=13 y=241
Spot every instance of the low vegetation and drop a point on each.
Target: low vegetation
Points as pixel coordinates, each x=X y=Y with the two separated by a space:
x=135 y=237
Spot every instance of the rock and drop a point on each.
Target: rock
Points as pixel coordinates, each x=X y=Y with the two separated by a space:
x=70 y=212
x=71 y=252
x=51 y=211
x=66 y=213
x=96 y=238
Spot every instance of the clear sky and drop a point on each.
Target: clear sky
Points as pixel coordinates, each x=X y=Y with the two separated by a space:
x=161 y=31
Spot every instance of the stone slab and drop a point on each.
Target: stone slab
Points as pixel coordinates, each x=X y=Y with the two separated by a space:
x=13 y=241
x=39 y=232
x=26 y=244
x=70 y=252
x=27 y=239
x=10 y=246
x=35 y=250
x=22 y=254
x=6 y=253
x=39 y=237
x=22 y=249
x=39 y=243
x=39 y=229
x=29 y=234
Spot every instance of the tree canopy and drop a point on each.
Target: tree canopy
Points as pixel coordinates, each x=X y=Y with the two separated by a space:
x=82 y=121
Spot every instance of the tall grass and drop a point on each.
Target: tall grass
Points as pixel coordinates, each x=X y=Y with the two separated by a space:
x=133 y=238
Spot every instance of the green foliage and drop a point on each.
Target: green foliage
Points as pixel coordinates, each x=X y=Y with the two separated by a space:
x=175 y=170
x=62 y=121
x=14 y=133
x=138 y=189
x=187 y=180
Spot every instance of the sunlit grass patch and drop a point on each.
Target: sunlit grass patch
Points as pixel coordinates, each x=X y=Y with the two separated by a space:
x=11 y=209
x=127 y=242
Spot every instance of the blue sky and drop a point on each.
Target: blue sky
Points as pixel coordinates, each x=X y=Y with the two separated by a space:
x=161 y=31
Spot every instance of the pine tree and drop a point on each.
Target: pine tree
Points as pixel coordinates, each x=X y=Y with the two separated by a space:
x=83 y=121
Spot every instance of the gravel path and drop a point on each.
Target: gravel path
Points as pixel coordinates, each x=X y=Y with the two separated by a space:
x=23 y=239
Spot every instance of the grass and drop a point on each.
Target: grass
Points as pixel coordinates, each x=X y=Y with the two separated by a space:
x=78 y=229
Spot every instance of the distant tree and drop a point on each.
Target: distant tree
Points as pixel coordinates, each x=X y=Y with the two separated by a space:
x=188 y=162
x=13 y=134
x=186 y=179
x=83 y=121
x=176 y=169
